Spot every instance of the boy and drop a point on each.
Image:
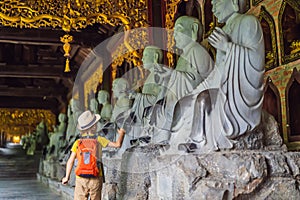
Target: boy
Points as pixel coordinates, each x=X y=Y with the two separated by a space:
x=87 y=185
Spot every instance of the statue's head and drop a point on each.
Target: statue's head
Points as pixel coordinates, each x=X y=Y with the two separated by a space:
x=94 y=105
x=186 y=30
x=74 y=103
x=152 y=54
x=223 y=9
x=103 y=96
x=120 y=87
x=62 y=117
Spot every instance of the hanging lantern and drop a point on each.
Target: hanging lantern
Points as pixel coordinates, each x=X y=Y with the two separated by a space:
x=66 y=39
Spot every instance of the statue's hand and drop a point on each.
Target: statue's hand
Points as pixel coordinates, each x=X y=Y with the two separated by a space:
x=132 y=95
x=162 y=71
x=157 y=69
x=219 y=39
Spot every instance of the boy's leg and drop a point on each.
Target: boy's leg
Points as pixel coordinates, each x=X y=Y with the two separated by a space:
x=81 y=189
x=95 y=186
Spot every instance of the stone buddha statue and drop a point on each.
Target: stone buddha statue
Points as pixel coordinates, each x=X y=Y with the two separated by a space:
x=57 y=137
x=153 y=90
x=121 y=110
x=94 y=106
x=106 y=110
x=237 y=77
x=193 y=67
x=73 y=113
x=120 y=113
x=41 y=135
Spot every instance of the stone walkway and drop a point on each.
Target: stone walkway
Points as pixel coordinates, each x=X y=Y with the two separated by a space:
x=29 y=189
x=18 y=180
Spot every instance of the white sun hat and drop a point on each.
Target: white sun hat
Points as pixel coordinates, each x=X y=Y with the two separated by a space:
x=86 y=120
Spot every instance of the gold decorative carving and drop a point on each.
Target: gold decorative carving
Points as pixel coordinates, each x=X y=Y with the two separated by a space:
x=295 y=46
x=171 y=9
x=17 y=122
x=76 y=14
x=90 y=86
x=270 y=59
x=69 y=14
x=135 y=41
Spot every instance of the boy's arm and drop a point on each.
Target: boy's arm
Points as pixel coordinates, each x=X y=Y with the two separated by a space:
x=70 y=164
x=119 y=142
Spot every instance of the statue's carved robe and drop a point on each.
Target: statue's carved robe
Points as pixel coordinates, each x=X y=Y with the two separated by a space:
x=193 y=66
x=106 y=112
x=147 y=98
x=238 y=104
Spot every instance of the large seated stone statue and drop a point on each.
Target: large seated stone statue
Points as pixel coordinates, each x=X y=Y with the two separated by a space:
x=121 y=110
x=72 y=132
x=31 y=144
x=57 y=138
x=231 y=102
x=106 y=110
x=42 y=138
x=153 y=91
x=73 y=113
x=94 y=106
x=120 y=113
x=193 y=66
x=104 y=125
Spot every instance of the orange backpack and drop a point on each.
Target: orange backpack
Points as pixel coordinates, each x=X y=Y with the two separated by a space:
x=87 y=154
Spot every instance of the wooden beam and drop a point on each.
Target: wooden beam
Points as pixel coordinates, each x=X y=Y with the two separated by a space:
x=30 y=103
x=31 y=71
x=49 y=92
x=45 y=36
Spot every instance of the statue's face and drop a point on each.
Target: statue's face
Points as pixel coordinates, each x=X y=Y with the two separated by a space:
x=222 y=9
x=102 y=98
x=94 y=105
x=182 y=33
x=119 y=87
x=116 y=88
x=148 y=58
x=61 y=117
x=74 y=105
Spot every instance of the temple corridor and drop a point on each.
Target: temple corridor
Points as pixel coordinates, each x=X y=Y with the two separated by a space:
x=189 y=99
x=18 y=176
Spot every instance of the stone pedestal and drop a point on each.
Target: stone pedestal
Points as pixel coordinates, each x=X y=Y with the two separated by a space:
x=145 y=173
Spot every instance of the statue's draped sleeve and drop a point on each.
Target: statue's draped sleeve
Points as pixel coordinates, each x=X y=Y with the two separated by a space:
x=239 y=101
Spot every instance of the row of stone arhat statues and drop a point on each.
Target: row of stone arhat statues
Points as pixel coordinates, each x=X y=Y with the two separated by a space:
x=200 y=104
x=35 y=140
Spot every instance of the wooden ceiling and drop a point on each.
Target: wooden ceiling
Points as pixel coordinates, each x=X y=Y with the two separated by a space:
x=32 y=65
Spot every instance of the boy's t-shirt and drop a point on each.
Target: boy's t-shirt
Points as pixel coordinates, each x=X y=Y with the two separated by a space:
x=102 y=141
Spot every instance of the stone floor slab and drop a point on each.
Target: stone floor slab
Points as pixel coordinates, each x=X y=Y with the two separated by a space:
x=26 y=189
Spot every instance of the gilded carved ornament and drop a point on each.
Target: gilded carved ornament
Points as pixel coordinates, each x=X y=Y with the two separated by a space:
x=295 y=46
x=76 y=14
x=23 y=121
x=135 y=41
x=66 y=39
x=90 y=86
x=171 y=9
